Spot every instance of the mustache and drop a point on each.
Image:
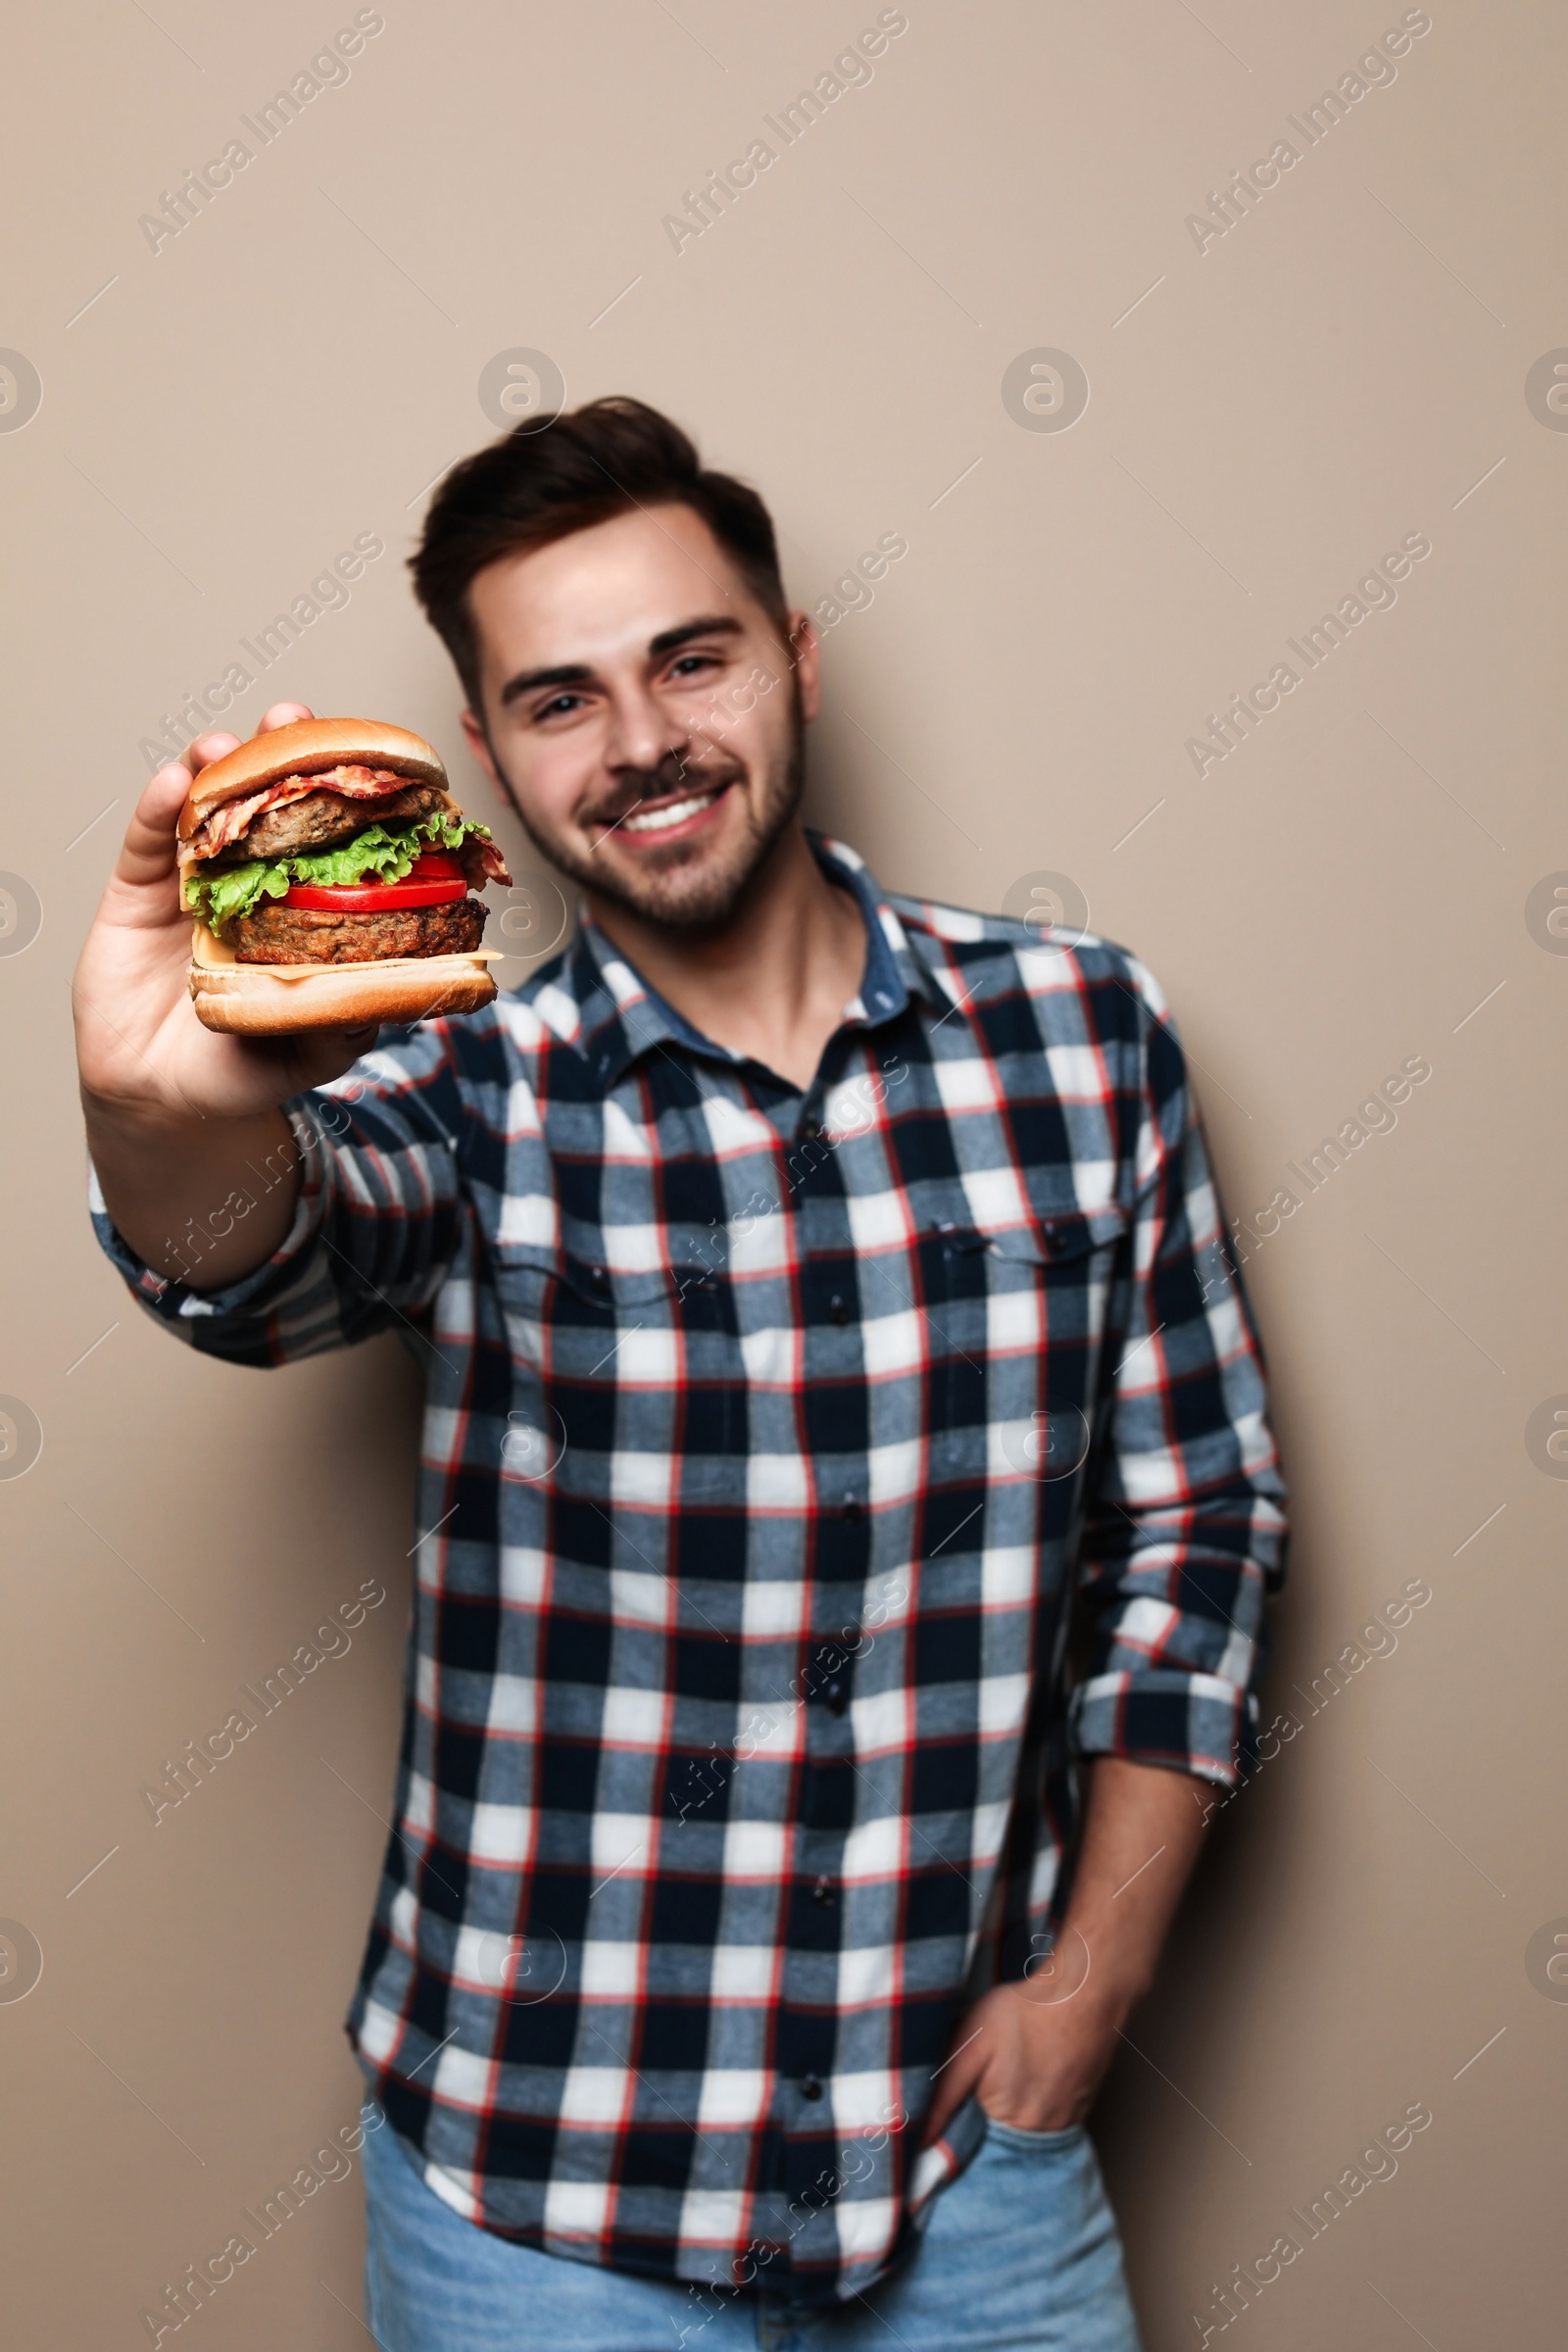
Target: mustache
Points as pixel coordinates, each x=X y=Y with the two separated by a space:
x=638 y=786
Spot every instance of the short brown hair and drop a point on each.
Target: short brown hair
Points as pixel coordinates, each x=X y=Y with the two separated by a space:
x=604 y=459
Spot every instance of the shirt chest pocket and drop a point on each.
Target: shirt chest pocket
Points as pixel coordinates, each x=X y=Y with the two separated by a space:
x=561 y=1312
x=1015 y=1313
x=643 y=1363
x=1061 y=1253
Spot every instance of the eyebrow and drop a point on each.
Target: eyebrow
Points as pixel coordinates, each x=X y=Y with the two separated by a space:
x=528 y=681
x=712 y=624
x=580 y=674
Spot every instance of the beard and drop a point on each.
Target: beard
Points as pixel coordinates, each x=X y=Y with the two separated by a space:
x=686 y=887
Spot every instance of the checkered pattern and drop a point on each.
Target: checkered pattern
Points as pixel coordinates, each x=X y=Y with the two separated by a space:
x=806 y=1478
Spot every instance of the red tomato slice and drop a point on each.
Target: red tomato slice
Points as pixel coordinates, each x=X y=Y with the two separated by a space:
x=436 y=880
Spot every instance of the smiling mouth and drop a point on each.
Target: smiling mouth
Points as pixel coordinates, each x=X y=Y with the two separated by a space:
x=670 y=813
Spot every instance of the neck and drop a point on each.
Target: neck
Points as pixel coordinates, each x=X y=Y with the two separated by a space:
x=772 y=984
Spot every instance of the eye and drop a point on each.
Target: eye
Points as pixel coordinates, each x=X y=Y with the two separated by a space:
x=559 y=705
x=687 y=665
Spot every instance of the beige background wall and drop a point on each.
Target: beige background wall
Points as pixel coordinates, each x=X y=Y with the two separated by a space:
x=1345 y=366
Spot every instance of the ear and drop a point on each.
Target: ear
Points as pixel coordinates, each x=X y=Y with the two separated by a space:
x=804 y=650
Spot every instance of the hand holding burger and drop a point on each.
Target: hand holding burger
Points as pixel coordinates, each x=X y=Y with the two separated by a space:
x=329 y=868
x=184 y=1122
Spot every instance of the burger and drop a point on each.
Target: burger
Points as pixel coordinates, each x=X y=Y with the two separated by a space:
x=328 y=870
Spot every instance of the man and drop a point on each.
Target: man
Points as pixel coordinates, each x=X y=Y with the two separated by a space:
x=845 y=1432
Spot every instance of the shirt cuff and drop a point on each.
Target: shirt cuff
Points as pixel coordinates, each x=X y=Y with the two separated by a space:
x=170 y=1298
x=1192 y=1722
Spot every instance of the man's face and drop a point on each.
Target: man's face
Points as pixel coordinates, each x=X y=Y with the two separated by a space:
x=643 y=711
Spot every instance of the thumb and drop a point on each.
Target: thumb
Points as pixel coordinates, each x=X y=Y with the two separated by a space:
x=147 y=854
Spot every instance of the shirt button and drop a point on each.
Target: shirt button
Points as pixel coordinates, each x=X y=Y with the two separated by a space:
x=822 y=1892
x=835 y=1698
x=854 y=1512
x=811 y=1129
x=811 y=2086
x=838 y=1312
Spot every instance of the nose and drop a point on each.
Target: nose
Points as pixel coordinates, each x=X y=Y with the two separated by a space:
x=644 y=734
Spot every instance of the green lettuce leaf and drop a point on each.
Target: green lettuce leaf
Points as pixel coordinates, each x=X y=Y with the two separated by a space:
x=387 y=852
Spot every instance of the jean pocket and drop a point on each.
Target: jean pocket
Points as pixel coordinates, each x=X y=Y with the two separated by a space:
x=1042 y=2144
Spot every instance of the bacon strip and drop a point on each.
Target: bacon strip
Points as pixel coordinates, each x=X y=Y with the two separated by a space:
x=225 y=824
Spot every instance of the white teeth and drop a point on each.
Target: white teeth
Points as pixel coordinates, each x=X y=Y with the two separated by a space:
x=656 y=819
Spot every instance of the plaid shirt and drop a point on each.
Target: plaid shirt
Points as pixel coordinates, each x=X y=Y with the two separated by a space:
x=806 y=1478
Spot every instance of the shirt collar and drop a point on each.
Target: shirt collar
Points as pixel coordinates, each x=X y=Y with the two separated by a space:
x=623 y=1018
x=895 y=971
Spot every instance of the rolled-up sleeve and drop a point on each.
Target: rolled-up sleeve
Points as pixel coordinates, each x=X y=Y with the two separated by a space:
x=1185 y=1529
x=377 y=1222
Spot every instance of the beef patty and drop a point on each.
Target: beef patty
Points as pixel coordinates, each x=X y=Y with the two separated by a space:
x=321 y=819
x=279 y=934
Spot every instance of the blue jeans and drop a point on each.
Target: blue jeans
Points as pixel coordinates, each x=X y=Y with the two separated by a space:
x=1018 y=2254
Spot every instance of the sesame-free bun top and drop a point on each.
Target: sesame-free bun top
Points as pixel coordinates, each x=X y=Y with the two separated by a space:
x=301 y=749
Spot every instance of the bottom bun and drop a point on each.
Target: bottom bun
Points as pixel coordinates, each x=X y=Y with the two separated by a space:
x=280 y=1000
